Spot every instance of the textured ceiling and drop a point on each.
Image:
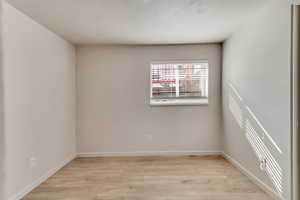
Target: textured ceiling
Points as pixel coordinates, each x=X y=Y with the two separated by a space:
x=140 y=21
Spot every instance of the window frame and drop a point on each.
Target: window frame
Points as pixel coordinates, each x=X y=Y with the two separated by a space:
x=177 y=101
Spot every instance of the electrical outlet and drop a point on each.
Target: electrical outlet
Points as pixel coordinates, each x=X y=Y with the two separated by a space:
x=263 y=164
x=32 y=162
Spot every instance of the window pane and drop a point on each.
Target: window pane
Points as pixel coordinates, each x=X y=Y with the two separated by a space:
x=180 y=80
x=163 y=81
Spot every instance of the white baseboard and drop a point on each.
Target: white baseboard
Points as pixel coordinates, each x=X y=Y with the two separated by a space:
x=148 y=153
x=40 y=180
x=253 y=178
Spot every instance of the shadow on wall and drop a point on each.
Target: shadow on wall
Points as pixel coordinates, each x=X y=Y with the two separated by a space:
x=1 y=113
x=266 y=150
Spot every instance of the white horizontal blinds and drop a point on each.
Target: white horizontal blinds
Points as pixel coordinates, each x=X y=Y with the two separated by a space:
x=193 y=80
x=203 y=68
x=176 y=80
x=163 y=81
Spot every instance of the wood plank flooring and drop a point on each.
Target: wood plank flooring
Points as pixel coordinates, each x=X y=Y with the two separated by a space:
x=148 y=178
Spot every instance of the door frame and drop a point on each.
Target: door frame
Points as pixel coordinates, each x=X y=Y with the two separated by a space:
x=295 y=98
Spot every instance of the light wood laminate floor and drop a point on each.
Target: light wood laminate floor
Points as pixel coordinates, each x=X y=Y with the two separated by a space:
x=148 y=178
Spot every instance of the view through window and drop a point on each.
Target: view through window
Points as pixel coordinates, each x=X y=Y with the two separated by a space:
x=184 y=82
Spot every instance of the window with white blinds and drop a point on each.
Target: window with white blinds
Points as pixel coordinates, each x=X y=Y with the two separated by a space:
x=174 y=83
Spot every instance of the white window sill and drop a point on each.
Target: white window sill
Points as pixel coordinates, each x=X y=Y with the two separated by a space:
x=175 y=102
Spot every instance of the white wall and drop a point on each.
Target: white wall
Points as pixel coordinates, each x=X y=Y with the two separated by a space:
x=39 y=102
x=256 y=61
x=114 y=115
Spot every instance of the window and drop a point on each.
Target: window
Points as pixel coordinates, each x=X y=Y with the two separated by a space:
x=179 y=83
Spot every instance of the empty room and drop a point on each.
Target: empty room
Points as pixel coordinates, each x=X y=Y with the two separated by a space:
x=149 y=100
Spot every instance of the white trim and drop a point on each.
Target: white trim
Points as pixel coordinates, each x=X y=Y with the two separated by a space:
x=181 y=61
x=148 y=153
x=41 y=179
x=171 y=102
x=294 y=102
x=253 y=178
